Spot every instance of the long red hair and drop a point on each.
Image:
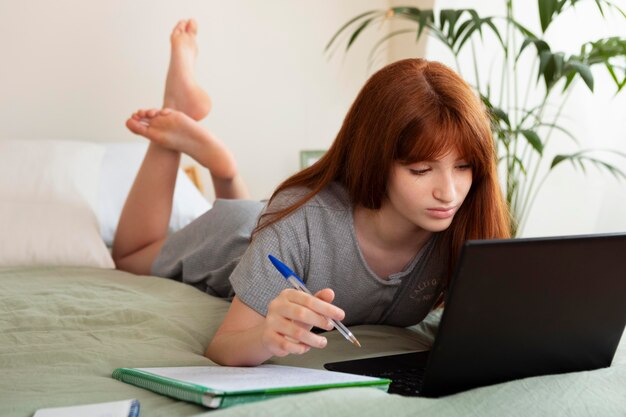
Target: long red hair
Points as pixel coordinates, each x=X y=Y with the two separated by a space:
x=412 y=110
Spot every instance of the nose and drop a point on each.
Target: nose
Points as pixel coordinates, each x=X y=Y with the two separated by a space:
x=444 y=189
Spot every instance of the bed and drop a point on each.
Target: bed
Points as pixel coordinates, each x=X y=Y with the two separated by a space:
x=66 y=323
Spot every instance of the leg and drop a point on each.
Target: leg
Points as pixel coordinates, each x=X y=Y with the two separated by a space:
x=143 y=224
x=175 y=131
x=182 y=92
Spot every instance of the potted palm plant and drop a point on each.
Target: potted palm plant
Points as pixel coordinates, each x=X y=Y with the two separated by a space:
x=522 y=130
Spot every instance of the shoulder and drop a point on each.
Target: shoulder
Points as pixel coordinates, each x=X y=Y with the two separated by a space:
x=332 y=197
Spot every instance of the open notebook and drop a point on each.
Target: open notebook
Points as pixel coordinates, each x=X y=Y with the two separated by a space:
x=224 y=386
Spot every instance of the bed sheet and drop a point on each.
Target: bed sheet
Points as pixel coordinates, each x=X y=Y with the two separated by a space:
x=64 y=330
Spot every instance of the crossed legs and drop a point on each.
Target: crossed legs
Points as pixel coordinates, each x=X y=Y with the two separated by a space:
x=172 y=130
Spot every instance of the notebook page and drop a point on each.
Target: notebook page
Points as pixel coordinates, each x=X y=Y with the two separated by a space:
x=127 y=408
x=228 y=378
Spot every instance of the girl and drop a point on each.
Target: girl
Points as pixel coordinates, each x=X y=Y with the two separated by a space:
x=375 y=226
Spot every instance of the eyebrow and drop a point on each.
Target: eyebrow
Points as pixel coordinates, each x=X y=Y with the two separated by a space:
x=436 y=161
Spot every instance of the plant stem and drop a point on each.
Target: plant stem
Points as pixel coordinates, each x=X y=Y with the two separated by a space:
x=528 y=185
x=475 y=59
x=517 y=116
x=509 y=161
x=532 y=191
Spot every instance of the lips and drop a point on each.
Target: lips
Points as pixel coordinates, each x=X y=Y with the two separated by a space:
x=442 y=212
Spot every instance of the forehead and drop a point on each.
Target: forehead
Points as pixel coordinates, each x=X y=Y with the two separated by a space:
x=450 y=155
x=436 y=155
x=426 y=139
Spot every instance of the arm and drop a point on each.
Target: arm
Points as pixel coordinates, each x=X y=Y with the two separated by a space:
x=246 y=338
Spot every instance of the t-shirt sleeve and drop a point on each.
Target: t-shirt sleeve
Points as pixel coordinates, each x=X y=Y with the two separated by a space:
x=255 y=280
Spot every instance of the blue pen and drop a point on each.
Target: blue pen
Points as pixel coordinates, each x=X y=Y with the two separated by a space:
x=297 y=283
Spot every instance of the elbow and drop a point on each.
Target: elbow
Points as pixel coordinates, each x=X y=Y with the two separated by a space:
x=211 y=354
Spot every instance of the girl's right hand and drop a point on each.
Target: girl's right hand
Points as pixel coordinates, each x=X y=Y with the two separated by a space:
x=292 y=315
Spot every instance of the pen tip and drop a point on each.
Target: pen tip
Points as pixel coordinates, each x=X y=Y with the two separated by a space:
x=356 y=342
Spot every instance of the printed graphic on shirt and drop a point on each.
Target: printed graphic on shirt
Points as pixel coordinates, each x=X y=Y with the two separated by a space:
x=425 y=291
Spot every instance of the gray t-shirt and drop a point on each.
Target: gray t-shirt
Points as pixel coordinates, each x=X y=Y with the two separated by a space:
x=317 y=242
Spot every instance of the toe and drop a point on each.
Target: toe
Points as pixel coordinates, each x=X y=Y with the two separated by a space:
x=136 y=126
x=179 y=28
x=152 y=113
x=192 y=26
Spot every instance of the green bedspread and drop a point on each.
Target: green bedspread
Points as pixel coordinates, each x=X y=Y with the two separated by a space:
x=64 y=330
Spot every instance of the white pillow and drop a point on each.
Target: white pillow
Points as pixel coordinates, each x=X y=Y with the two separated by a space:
x=48 y=191
x=119 y=167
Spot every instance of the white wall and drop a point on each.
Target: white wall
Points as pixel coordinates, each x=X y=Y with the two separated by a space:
x=77 y=69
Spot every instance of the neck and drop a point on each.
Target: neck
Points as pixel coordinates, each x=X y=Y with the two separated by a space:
x=388 y=231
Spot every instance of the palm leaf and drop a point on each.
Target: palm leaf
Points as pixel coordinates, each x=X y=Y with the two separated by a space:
x=533 y=139
x=345 y=26
x=475 y=24
x=449 y=18
x=527 y=33
x=515 y=161
x=496 y=113
x=357 y=32
x=547 y=8
x=540 y=45
x=604 y=52
x=385 y=39
x=578 y=160
x=583 y=70
x=424 y=18
x=561 y=129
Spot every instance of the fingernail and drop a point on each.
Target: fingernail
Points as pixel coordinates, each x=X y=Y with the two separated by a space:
x=323 y=342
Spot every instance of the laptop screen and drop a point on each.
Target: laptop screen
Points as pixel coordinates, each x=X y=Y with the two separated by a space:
x=526 y=307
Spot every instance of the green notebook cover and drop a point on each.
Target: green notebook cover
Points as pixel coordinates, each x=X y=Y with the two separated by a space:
x=224 y=386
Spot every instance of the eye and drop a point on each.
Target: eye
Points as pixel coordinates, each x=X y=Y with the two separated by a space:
x=419 y=171
x=464 y=166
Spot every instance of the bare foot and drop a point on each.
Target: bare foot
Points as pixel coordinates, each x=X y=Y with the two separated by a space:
x=176 y=131
x=182 y=92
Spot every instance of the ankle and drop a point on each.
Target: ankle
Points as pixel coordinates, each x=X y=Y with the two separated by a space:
x=156 y=149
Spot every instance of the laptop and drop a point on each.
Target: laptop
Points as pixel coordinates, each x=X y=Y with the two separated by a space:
x=517 y=308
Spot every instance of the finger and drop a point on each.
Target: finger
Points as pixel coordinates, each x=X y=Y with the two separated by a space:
x=280 y=310
x=165 y=111
x=281 y=345
x=326 y=294
x=283 y=308
x=313 y=303
x=307 y=317
x=295 y=332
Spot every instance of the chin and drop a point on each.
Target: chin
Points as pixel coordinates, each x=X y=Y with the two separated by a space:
x=437 y=226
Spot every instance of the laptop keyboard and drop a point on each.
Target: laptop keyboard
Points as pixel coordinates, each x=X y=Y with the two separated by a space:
x=405 y=381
